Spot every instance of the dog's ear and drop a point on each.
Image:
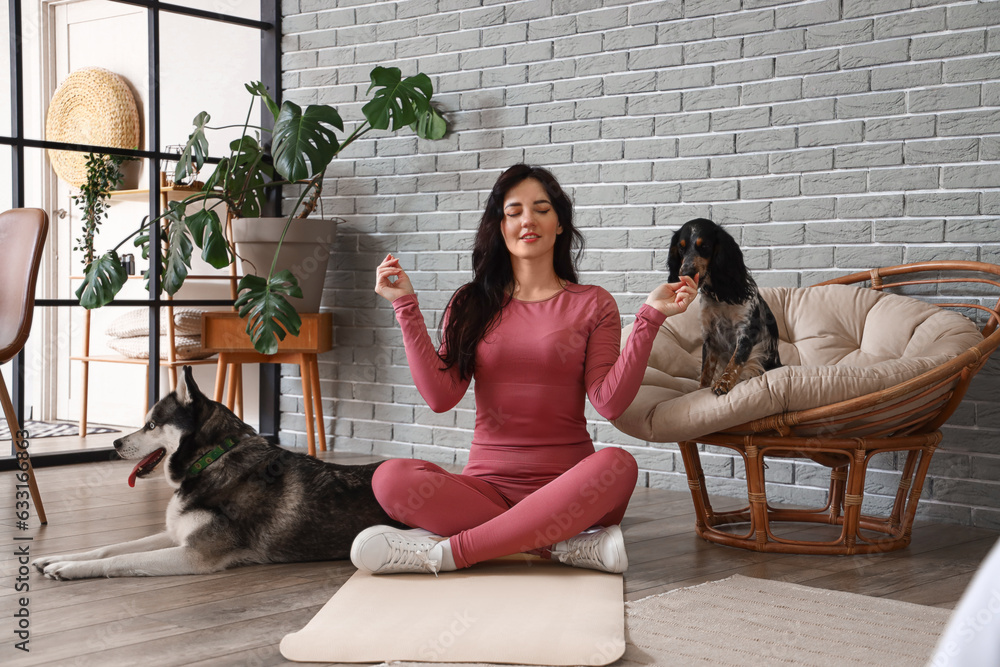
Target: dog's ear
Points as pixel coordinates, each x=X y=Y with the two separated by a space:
x=187 y=389
x=731 y=281
x=674 y=258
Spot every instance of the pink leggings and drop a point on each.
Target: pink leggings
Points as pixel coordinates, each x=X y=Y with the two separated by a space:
x=484 y=523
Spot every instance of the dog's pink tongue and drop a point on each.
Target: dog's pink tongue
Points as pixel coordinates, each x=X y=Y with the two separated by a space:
x=131 y=477
x=142 y=464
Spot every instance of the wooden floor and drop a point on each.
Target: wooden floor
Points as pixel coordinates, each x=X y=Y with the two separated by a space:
x=238 y=617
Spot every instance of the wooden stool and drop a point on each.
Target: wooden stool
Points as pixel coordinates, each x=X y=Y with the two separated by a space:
x=225 y=333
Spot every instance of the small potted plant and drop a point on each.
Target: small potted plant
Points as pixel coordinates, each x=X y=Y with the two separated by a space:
x=303 y=143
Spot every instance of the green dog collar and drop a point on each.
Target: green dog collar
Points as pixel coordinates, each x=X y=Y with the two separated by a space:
x=211 y=457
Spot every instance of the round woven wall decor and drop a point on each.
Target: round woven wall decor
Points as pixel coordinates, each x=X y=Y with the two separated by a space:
x=92 y=106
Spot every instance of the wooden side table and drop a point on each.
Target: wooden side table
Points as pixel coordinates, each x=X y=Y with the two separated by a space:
x=225 y=333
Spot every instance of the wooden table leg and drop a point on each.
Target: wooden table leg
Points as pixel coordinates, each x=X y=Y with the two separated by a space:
x=307 y=400
x=86 y=374
x=83 y=398
x=239 y=391
x=220 y=377
x=318 y=399
x=231 y=389
x=171 y=347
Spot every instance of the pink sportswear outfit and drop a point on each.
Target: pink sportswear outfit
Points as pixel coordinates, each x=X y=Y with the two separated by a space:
x=533 y=477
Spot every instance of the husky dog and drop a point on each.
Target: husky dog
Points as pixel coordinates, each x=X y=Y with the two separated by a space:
x=238 y=499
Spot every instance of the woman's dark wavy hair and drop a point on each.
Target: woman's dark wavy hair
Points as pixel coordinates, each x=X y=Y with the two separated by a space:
x=476 y=306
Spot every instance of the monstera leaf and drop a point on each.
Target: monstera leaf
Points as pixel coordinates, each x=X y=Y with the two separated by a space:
x=195 y=151
x=430 y=125
x=398 y=102
x=304 y=143
x=268 y=314
x=206 y=230
x=258 y=89
x=244 y=175
x=102 y=280
x=177 y=261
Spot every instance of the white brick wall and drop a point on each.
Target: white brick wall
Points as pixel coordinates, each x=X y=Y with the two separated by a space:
x=829 y=136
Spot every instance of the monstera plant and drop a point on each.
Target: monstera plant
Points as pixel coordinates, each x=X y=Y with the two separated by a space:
x=302 y=145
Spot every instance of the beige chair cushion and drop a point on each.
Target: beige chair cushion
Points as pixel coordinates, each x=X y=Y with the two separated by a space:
x=836 y=343
x=132 y=323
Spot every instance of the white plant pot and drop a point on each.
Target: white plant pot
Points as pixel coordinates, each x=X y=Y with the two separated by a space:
x=305 y=250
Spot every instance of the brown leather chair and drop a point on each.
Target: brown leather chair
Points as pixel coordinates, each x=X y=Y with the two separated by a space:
x=22 y=236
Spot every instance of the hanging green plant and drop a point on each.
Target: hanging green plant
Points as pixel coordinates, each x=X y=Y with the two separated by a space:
x=104 y=174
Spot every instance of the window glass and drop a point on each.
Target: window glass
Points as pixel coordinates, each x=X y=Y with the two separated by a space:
x=244 y=9
x=86 y=79
x=4 y=72
x=106 y=43
x=220 y=89
x=6 y=182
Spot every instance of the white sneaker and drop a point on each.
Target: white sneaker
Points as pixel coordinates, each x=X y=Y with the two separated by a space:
x=595 y=549
x=388 y=550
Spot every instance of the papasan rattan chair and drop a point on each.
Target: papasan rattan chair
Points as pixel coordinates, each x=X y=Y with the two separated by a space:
x=866 y=371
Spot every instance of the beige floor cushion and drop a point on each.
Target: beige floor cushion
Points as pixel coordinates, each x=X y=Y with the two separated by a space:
x=836 y=342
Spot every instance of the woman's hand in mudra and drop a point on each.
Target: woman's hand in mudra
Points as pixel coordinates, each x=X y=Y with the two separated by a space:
x=673 y=298
x=385 y=287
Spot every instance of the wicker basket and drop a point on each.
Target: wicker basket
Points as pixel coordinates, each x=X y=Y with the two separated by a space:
x=92 y=106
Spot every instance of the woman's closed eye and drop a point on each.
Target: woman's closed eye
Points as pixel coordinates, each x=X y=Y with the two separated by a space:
x=513 y=213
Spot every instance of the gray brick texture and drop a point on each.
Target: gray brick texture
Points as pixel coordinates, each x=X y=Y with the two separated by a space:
x=829 y=136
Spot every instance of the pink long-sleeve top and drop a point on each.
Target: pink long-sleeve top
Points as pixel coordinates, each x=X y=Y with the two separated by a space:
x=534 y=367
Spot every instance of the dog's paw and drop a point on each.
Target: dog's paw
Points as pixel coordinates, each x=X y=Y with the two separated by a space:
x=67 y=570
x=724 y=384
x=729 y=379
x=41 y=563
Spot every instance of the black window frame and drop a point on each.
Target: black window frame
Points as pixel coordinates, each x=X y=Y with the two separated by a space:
x=269 y=26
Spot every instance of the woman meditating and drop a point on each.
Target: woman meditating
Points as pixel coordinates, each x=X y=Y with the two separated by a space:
x=535 y=341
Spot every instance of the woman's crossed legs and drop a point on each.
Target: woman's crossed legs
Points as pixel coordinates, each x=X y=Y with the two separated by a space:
x=483 y=524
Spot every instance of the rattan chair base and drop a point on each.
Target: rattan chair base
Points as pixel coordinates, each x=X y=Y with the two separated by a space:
x=845 y=499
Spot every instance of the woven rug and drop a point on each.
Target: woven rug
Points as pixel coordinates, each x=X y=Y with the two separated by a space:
x=37 y=429
x=742 y=621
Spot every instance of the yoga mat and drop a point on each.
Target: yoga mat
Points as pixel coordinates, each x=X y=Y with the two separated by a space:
x=514 y=610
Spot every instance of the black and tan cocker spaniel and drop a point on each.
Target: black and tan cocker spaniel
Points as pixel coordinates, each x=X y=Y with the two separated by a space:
x=740 y=332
